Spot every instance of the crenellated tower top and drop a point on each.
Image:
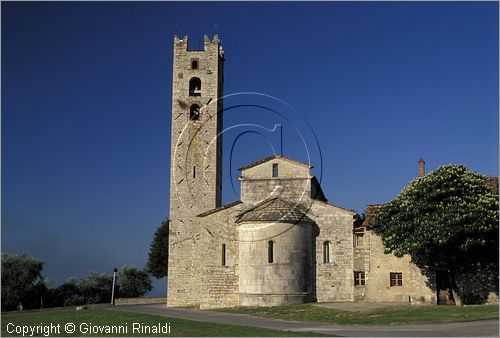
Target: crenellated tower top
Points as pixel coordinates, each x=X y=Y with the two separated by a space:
x=182 y=44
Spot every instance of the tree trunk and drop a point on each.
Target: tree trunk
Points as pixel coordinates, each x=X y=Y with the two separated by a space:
x=454 y=288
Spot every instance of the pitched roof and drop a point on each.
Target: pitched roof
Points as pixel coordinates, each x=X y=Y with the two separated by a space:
x=370 y=212
x=334 y=205
x=275 y=210
x=226 y=206
x=492 y=183
x=272 y=157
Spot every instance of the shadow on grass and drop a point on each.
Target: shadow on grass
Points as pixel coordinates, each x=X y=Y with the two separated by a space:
x=380 y=316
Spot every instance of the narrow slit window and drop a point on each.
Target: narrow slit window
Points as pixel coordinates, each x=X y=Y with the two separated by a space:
x=275 y=169
x=326 y=252
x=194 y=172
x=223 y=257
x=270 y=252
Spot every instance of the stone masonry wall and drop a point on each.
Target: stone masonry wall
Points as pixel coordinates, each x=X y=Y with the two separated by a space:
x=378 y=266
x=294 y=190
x=220 y=283
x=286 y=169
x=195 y=165
x=293 y=182
x=288 y=277
x=140 y=300
x=334 y=280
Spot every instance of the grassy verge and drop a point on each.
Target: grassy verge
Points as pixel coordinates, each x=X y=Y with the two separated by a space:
x=101 y=318
x=392 y=315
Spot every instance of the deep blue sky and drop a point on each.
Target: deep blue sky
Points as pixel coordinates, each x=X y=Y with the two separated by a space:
x=86 y=100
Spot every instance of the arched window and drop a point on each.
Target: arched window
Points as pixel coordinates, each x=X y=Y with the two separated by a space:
x=194 y=64
x=194 y=87
x=194 y=112
x=270 y=252
x=326 y=252
x=223 y=258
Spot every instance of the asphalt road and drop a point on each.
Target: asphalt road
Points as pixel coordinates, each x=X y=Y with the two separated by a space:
x=466 y=329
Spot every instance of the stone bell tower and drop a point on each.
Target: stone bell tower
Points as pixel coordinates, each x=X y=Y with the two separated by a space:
x=196 y=161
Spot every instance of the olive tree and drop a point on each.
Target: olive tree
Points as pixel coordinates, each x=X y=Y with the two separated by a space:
x=96 y=288
x=21 y=275
x=133 y=282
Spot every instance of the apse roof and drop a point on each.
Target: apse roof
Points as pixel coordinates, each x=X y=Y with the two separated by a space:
x=275 y=210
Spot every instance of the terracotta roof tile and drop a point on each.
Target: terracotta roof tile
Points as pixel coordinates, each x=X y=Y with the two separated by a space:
x=492 y=183
x=227 y=206
x=275 y=210
x=370 y=212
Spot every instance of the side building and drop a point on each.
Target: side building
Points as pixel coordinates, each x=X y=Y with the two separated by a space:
x=385 y=277
x=381 y=277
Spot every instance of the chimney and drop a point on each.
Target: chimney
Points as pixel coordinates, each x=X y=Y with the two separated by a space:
x=421 y=165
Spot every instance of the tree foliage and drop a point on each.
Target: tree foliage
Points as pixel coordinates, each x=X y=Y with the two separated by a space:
x=96 y=288
x=68 y=294
x=24 y=288
x=36 y=296
x=21 y=278
x=446 y=220
x=158 y=252
x=133 y=282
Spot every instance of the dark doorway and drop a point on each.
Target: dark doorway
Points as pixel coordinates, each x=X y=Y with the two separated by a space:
x=443 y=286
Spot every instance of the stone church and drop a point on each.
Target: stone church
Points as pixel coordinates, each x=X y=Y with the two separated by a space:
x=283 y=242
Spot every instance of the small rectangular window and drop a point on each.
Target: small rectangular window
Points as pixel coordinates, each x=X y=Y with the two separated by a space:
x=359 y=239
x=359 y=278
x=194 y=172
x=275 y=169
x=396 y=279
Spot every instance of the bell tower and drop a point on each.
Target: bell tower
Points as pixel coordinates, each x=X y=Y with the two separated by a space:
x=195 y=162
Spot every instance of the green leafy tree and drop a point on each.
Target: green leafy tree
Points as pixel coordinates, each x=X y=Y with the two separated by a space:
x=68 y=294
x=446 y=221
x=158 y=252
x=36 y=295
x=95 y=288
x=20 y=275
x=133 y=282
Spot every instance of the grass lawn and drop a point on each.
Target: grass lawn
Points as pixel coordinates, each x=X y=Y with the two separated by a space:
x=388 y=315
x=102 y=317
